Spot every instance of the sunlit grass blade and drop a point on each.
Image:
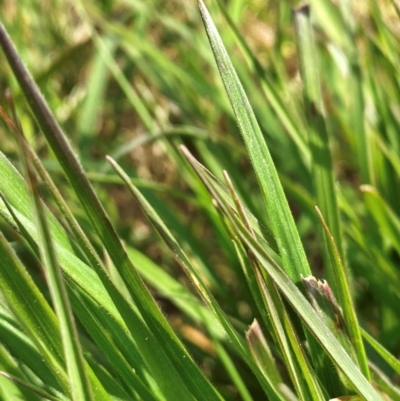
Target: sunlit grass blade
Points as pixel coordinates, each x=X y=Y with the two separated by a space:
x=80 y=386
x=85 y=278
x=206 y=295
x=284 y=228
x=103 y=337
x=296 y=131
x=306 y=313
x=93 y=327
x=267 y=299
x=169 y=366
x=29 y=305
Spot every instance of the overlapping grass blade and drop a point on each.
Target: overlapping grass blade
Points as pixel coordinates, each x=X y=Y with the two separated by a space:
x=349 y=313
x=33 y=391
x=267 y=298
x=37 y=318
x=305 y=312
x=80 y=386
x=206 y=295
x=169 y=366
x=24 y=348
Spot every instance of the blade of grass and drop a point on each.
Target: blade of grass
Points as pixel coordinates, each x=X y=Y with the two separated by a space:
x=97 y=335
x=84 y=278
x=261 y=352
x=393 y=362
x=33 y=389
x=349 y=313
x=80 y=386
x=270 y=300
x=293 y=295
x=272 y=95
x=204 y=292
x=284 y=228
x=34 y=313
x=181 y=371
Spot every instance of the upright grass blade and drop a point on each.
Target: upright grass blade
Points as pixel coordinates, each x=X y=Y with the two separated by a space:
x=80 y=386
x=29 y=305
x=283 y=226
x=169 y=366
x=323 y=335
x=294 y=130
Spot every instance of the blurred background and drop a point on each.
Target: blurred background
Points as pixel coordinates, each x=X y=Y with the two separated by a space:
x=134 y=79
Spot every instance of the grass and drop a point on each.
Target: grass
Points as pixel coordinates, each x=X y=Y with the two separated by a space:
x=200 y=201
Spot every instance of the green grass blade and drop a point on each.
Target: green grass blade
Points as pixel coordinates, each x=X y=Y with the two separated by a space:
x=270 y=300
x=80 y=385
x=324 y=336
x=284 y=228
x=86 y=279
x=262 y=353
x=167 y=364
x=393 y=362
x=271 y=93
x=346 y=302
x=34 y=390
x=29 y=305
x=206 y=295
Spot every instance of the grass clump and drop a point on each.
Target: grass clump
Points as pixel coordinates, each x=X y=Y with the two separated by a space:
x=229 y=224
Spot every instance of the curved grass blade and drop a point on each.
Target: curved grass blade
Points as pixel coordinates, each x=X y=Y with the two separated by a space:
x=292 y=253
